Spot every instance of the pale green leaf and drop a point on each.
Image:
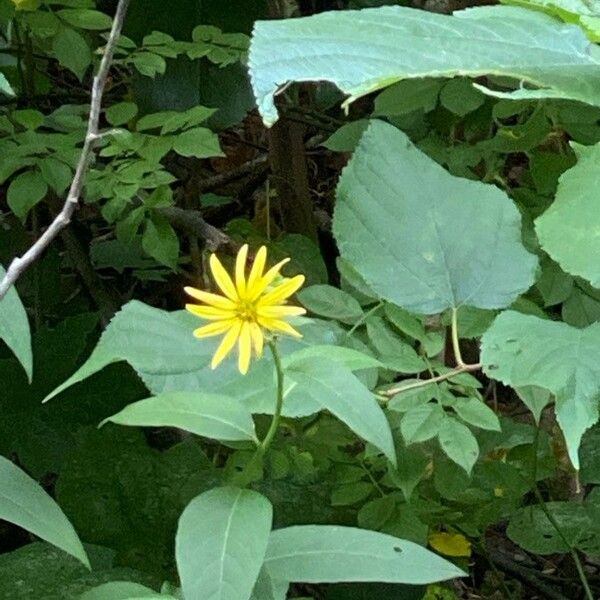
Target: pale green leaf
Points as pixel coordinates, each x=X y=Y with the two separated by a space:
x=213 y=416
x=14 y=328
x=422 y=422
x=331 y=554
x=331 y=302
x=338 y=46
x=522 y=350
x=350 y=358
x=221 y=542
x=400 y=221
x=341 y=393
x=569 y=231
x=458 y=443
x=24 y=503
x=85 y=18
x=122 y=590
x=477 y=413
x=5 y=87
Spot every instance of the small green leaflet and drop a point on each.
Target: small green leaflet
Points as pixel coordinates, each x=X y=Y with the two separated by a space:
x=220 y=557
x=14 y=328
x=338 y=46
x=569 y=230
x=422 y=238
x=331 y=554
x=523 y=350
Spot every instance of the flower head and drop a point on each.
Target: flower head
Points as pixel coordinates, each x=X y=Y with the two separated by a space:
x=248 y=307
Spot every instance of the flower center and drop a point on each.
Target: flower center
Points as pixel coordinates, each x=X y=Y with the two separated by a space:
x=246 y=311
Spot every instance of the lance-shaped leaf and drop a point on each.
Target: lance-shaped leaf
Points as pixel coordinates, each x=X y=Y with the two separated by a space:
x=522 y=350
x=422 y=238
x=569 y=231
x=24 y=503
x=362 y=51
x=215 y=416
x=14 y=328
x=221 y=542
x=331 y=554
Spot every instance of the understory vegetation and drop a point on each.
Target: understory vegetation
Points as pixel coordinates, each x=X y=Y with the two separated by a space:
x=299 y=299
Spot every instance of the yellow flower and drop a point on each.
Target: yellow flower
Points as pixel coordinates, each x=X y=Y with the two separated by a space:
x=248 y=307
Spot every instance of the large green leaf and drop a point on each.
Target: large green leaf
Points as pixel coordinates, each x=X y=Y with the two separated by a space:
x=25 y=503
x=221 y=543
x=14 y=328
x=582 y=12
x=210 y=415
x=422 y=238
x=161 y=348
x=330 y=554
x=340 y=47
x=340 y=392
x=569 y=231
x=523 y=350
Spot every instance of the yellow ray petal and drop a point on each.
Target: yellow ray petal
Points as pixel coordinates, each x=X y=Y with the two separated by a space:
x=282 y=291
x=213 y=328
x=210 y=312
x=258 y=338
x=278 y=325
x=212 y=299
x=245 y=348
x=258 y=266
x=240 y=270
x=222 y=278
x=276 y=312
x=226 y=345
x=259 y=287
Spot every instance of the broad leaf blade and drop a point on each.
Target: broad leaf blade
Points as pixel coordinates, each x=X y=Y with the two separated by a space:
x=214 y=416
x=14 y=328
x=422 y=238
x=331 y=554
x=24 y=503
x=569 y=230
x=522 y=350
x=339 y=47
x=221 y=542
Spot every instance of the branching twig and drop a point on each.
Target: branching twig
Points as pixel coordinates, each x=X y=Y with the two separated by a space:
x=443 y=377
x=20 y=264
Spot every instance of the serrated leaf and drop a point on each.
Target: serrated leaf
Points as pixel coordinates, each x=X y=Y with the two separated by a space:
x=210 y=415
x=522 y=350
x=400 y=219
x=14 y=328
x=331 y=554
x=569 y=231
x=338 y=47
x=24 y=503
x=220 y=558
x=458 y=443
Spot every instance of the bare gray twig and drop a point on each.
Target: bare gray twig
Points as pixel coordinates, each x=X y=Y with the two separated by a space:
x=20 y=264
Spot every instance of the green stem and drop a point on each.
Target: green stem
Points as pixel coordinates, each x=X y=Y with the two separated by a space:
x=554 y=522
x=455 y=341
x=264 y=445
x=362 y=320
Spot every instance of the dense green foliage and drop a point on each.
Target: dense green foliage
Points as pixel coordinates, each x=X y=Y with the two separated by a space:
x=434 y=432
